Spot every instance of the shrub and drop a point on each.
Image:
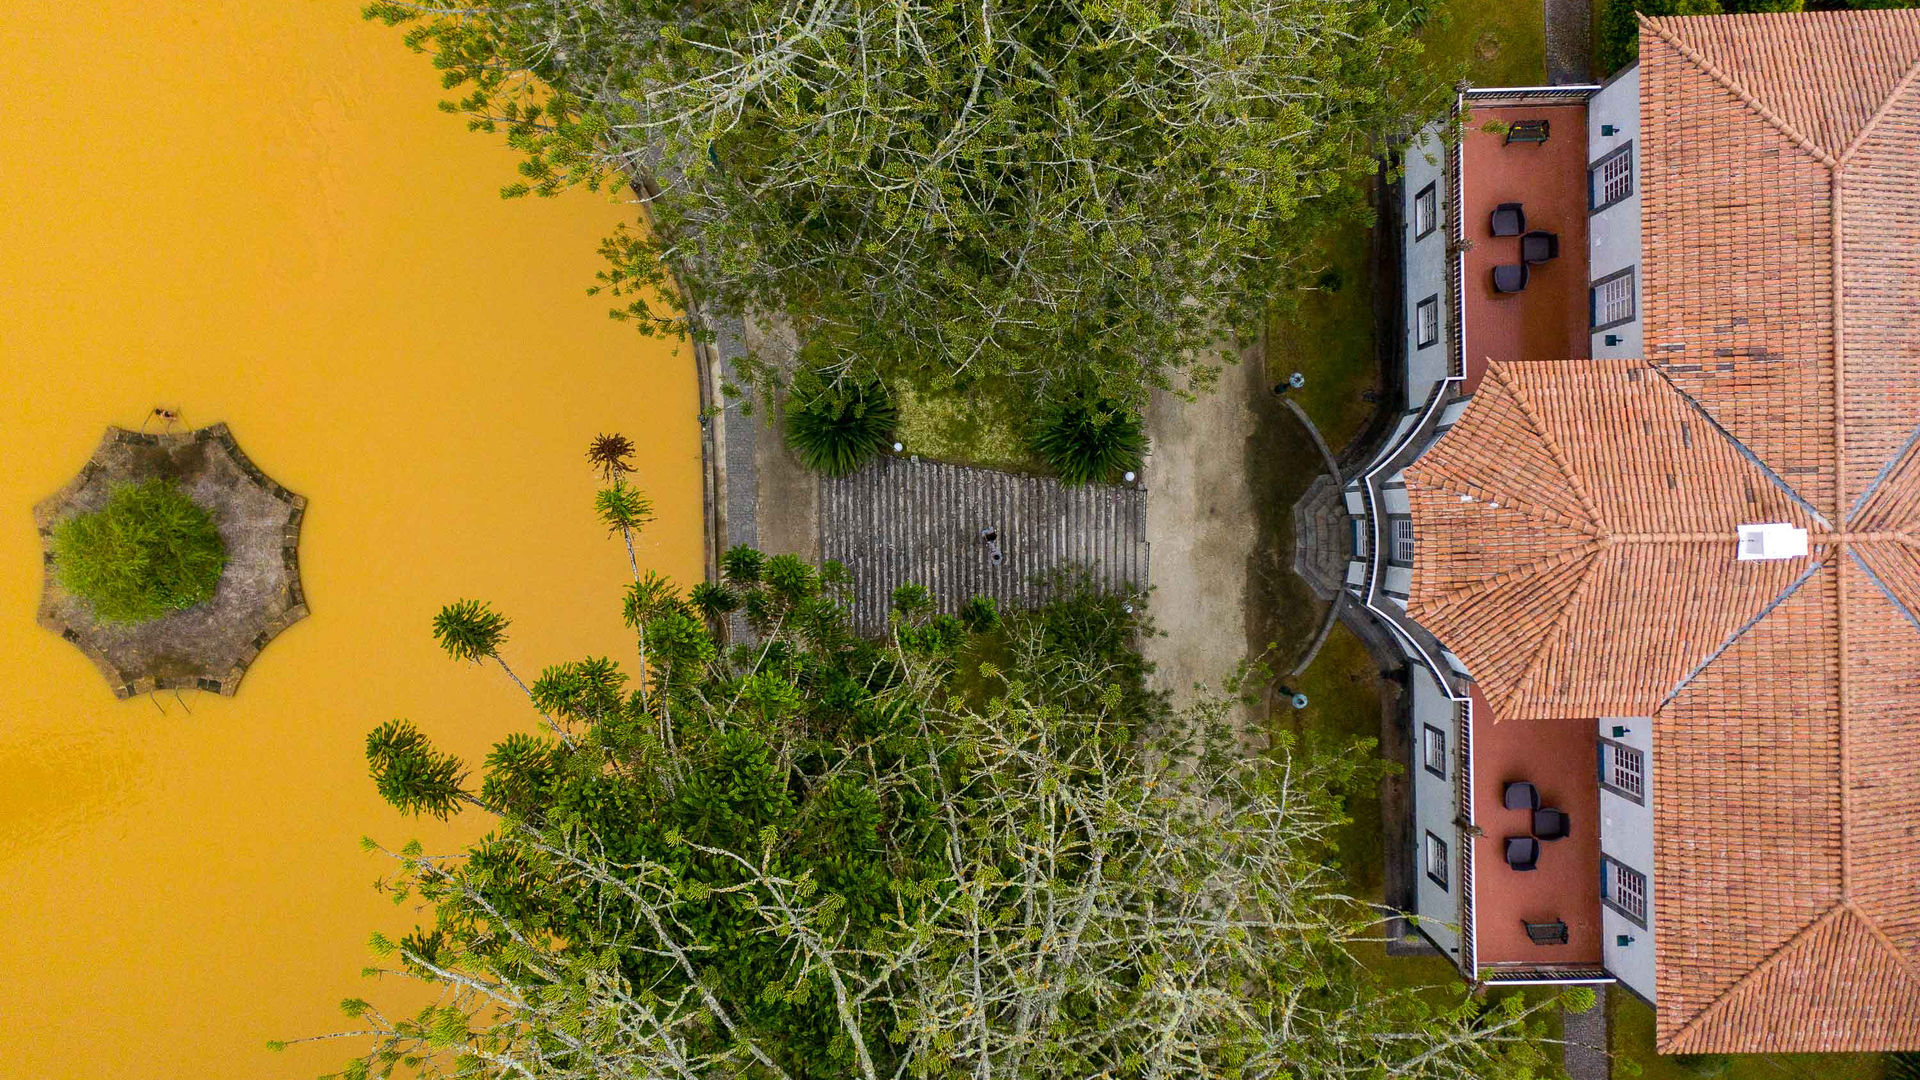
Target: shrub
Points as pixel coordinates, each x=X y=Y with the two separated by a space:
x=1704 y=1064
x=1903 y=1065
x=1620 y=31
x=149 y=552
x=1087 y=438
x=836 y=427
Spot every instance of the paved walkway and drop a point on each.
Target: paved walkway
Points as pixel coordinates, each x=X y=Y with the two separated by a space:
x=1322 y=537
x=1585 y=1051
x=1205 y=529
x=1569 y=41
x=900 y=521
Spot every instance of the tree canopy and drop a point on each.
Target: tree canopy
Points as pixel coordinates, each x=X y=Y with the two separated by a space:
x=978 y=847
x=944 y=191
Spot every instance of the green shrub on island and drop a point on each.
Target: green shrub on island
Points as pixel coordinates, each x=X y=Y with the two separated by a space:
x=1087 y=438
x=150 y=551
x=836 y=427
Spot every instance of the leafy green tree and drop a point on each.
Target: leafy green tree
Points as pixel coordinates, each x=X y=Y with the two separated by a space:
x=150 y=551
x=987 y=852
x=951 y=192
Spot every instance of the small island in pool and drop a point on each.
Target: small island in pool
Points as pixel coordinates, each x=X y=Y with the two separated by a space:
x=171 y=560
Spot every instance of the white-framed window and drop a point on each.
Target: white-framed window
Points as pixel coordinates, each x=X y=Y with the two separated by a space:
x=1426 y=211
x=1433 y=750
x=1613 y=300
x=1426 y=321
x=1402 y=531
x=1610 y=179
x=1624 y=889
x=1434 y=855
x=1623 y=770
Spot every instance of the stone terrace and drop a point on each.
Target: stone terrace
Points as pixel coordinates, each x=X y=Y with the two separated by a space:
x=901 y=521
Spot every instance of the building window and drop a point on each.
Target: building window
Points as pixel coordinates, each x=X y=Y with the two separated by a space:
x=1359 y=537
x=1436 y=860
x=1610 y=179
x=1623 y=770
x=1433 y=750
x=1426 y=211
x=1427 y=321
x=1613 y=300
x=1624 y=889
x=1401 y=531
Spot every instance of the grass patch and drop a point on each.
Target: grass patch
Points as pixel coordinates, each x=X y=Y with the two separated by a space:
x=983 y=425
x=1491 y=42
x=1630 y=1029
x=1343 y=689
x=1325 y=332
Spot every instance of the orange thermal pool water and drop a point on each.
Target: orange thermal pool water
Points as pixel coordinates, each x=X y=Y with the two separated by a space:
x=253 y=212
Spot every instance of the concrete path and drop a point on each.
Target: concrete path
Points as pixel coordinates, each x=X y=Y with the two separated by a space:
x=1204 y=528
x=1569 y=41
x=1585 y=1051
x=900 y=521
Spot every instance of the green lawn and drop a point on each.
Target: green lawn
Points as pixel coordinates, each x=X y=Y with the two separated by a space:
x=981 y=425
x=1325 y=332
x=1343 y=689
x=1630 y=1024
x=1491 y=42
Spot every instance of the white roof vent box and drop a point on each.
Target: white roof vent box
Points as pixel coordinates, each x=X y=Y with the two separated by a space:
x=1775 y=540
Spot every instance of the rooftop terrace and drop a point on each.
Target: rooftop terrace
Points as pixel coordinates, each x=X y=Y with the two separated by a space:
x=1547 y=320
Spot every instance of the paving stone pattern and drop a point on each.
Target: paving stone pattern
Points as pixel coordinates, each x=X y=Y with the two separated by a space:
x=1585 y=1052
x=900 y=521
x=1322 y=537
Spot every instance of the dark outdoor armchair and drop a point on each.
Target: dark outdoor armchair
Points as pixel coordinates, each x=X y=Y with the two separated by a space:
x=1520 y=795
x=1510 y=277
x=1523 y=852
x=1539 y=246
x=1551 y=824
x=1509 y=219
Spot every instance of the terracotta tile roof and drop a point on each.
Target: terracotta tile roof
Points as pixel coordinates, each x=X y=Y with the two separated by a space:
x=1639 y=533
x=1576 y=529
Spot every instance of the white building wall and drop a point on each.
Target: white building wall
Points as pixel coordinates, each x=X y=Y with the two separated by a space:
x=1425 y=265
x=1434 y=802
x=1613 y=234
x=1626 y=836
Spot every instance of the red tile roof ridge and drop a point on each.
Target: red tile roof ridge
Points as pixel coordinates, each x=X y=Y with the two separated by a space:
x=1733 y=86
x=1474 y=591
x=1840 y=446
x=1524 y=688
x=1452 y=485
x=1879 y=114
x=1682 y=1040
x=1670 y=1044
x=1907 y=963
x=1520 y=399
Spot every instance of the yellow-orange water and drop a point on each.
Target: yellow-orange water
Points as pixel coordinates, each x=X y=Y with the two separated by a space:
x=253 y=212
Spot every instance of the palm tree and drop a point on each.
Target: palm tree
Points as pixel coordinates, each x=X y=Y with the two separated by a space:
x=609 y=454
x=472 y=630
x=624 y=510
x=413 y=776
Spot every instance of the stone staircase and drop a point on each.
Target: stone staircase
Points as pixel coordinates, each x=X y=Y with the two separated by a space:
x=902 y=521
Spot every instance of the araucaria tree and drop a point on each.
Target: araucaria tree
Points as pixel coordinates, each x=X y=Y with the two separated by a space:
x=977 y=848
x=951 y=191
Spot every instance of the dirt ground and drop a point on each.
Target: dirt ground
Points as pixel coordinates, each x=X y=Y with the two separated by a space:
x=1222 y=480
x=1202 y=527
